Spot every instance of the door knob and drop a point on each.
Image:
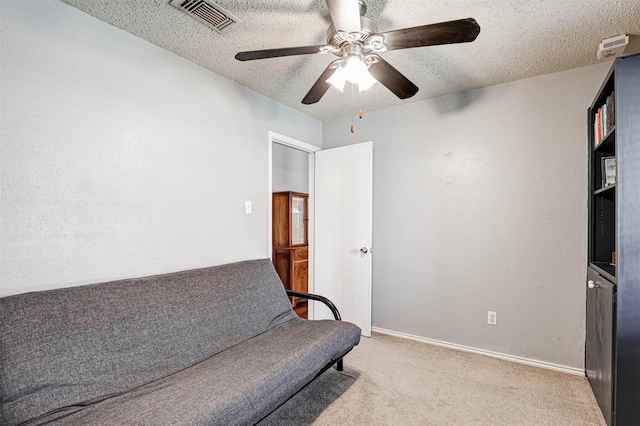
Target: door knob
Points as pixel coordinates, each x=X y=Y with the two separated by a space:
x=591 y=284
x=364 y=250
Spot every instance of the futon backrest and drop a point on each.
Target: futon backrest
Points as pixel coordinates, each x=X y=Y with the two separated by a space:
x=69 y=346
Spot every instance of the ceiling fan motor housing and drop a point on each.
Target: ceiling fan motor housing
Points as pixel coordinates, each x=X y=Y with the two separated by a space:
x=339 y=38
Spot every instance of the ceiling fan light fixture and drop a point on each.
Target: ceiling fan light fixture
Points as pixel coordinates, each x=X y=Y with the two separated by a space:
x=338 y=79
x=353 y=70
x=365 y=79
x=356 y=70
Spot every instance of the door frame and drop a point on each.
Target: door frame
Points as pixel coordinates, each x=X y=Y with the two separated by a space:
x=272 y=138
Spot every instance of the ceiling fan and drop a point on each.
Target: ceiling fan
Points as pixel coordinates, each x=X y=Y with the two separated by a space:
x=357 y=42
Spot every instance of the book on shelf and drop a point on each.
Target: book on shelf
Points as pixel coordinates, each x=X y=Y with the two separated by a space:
x=604 y=119
x=598 y=126
x=611 y=122
x=608 y=171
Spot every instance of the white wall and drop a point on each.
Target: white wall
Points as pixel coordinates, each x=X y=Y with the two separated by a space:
x=290 y=169
x=480 y=203
x=120 y=159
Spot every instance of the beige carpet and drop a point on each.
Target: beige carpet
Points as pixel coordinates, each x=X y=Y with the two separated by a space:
x=392 y=381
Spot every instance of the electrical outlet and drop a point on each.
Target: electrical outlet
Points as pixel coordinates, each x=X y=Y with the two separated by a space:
x=247 y=207
x=492 y=318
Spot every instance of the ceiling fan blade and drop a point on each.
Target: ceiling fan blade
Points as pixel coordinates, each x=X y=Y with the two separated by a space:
x=392 y=79
x=276 y=53
x=345 y=15
x=460 y=31
x=320 y=87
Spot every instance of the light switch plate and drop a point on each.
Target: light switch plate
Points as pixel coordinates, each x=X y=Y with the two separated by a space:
x=247 y=207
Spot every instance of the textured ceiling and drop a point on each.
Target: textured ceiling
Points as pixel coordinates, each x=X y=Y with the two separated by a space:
x=518 y=39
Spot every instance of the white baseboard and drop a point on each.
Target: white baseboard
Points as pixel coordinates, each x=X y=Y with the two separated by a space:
x=512 y=358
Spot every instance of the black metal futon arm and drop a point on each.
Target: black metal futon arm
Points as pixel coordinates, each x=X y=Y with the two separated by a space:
x=324 y=300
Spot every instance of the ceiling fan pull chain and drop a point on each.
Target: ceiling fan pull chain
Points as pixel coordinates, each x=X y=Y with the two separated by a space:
x=352 y=127
x=359 y=102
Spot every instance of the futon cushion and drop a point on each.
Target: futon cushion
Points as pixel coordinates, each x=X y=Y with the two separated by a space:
x=238 y=386
x=77 y=345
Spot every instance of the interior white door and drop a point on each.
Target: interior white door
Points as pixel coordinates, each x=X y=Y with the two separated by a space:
x=343 y=221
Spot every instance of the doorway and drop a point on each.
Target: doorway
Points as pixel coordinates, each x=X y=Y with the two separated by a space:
x=291 y=169
x=340 y=203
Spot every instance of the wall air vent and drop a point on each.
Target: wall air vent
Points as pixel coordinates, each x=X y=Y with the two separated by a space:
x=207 y=12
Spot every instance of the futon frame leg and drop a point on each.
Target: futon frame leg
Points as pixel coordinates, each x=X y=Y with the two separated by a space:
x=339 y=365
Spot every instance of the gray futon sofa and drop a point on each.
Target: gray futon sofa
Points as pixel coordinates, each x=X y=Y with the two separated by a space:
x=213 y=346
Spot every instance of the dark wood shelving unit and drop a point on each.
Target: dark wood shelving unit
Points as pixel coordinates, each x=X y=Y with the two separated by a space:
x=607 y=192
x=607 y=270
x=612 y=346
x=608 y=143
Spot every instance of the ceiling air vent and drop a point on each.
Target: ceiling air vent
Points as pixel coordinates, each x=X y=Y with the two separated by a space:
x=612 y=47
x=207 y=12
